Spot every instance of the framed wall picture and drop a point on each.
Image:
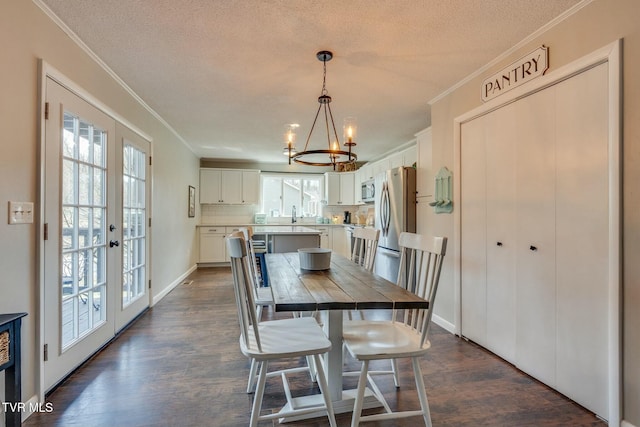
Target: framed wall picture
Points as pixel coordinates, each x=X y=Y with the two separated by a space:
x=192 y=202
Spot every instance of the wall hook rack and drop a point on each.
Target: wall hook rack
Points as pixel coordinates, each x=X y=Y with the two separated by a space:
x=443 y=202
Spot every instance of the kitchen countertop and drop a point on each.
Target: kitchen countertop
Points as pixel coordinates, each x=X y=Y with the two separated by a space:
x=284 y=230
x=306 y=225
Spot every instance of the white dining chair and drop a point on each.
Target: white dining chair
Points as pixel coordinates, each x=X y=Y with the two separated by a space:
x=256 y=247
x=365 y=245
x=262 y=297
x=406 y=334
x=275 y=340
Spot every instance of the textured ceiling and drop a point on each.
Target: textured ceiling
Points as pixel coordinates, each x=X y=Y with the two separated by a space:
x=228 y=75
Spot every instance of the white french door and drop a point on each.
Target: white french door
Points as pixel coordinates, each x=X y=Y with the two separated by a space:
x=95 y=211
x=132 y=162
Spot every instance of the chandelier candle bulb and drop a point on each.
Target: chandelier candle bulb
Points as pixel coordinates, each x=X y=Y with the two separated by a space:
x=349 y=131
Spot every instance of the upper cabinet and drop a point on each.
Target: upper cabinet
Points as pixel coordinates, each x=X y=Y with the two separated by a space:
x=405 y=158
x=229 y=186
x=339 y=188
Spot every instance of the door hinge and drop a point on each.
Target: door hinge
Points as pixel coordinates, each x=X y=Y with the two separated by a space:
x=46 y=352
x=46 y=231
x=46 y=111
x=149 y=160
x=149 y=222
x=149 y=283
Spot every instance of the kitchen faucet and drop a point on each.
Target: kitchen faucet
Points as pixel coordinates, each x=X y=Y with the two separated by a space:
x=293 y=214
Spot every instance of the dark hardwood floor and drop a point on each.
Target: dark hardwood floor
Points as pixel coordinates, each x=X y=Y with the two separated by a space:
x=179 y=364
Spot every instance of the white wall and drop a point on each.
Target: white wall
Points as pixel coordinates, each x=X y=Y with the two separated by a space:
x=598 y=24
x=27 y=34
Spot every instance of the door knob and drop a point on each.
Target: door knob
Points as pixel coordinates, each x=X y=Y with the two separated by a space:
x=499 y=243
x=112 y=227
x=533 y=248
x=113 y=243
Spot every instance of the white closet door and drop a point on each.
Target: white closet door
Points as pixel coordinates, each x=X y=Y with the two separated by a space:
x=473 y=224
x=582 y=209
x=501 y=139
x=535 y=240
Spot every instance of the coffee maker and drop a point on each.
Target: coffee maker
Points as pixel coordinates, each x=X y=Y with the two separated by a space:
x=347 y=217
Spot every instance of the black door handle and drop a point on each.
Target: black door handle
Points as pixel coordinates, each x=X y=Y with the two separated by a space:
x=113 y=243
x=499 y=243
x=533 y=248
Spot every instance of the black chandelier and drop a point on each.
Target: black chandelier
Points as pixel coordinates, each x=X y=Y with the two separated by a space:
x=334 y=155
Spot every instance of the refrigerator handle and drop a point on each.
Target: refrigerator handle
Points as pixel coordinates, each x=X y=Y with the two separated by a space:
x=386 y=209
x=383 y=219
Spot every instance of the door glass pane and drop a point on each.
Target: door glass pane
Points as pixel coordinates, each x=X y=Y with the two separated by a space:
x=133 y=223
x=83 y=253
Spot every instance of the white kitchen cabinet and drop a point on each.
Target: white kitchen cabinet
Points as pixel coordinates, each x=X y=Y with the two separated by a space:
x=366 y=172
x=396 y=160
x=250 y=187
x=534 y=239
x=410 y=156
x=340 y=241
x=229 y=186
x=325 y=236
x=339 y=188
x=210 y=186
x=357 y=187
x=212 y=244
x=380 y=166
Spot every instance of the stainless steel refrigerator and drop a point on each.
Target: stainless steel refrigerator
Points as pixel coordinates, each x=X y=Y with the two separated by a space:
x=395 y=212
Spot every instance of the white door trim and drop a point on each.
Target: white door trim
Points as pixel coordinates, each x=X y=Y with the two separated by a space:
x=612 y=54
x=45 y=70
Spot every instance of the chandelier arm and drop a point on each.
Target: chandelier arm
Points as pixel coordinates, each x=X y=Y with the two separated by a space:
x=335 y=133
x=326 y=126
x=315 y=119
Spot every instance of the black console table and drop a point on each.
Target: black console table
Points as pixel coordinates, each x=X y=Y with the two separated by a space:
x=10 y=363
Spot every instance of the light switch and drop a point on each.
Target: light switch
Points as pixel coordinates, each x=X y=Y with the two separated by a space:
x=20 y=212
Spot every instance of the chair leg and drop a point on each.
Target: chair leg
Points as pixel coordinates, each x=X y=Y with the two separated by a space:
x=312 y=368
x=259 y=394
x=252 y=376
x=362 y=384
x=394 y=369
x=422 y=392
x=324 y=389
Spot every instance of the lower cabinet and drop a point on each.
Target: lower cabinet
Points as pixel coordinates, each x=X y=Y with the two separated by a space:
x=341 y=240
x=212 y=244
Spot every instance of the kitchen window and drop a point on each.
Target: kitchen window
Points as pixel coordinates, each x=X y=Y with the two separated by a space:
x=281 y=192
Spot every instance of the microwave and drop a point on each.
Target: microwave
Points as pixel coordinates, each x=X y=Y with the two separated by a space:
x=368 y=191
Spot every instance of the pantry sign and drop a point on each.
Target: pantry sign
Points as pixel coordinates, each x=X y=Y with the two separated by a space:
x=523 y=70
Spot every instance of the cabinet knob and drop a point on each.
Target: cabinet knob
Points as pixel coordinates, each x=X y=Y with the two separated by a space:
x=499 y=244
x=533 y=248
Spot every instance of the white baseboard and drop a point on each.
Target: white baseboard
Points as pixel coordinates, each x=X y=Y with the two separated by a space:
x=448 y=326
x=156 y=298
x=626 y=424
x=31 y=406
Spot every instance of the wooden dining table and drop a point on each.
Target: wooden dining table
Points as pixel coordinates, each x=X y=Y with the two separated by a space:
x=344 y=286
